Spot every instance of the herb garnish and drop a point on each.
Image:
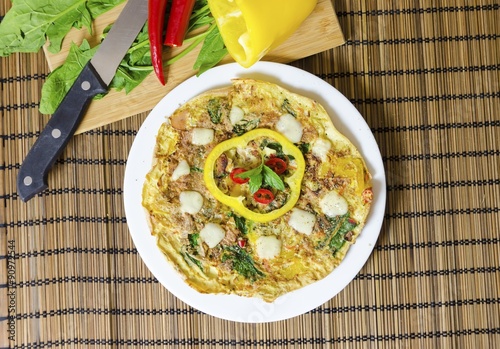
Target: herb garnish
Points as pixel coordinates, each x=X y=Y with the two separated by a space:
x=242 y=262
x=244 y=126
x=262 y=174
x=193 y=239
x=288 y=108
x=304 y=147
x=188 y=258
x=214 y=110
x=240 y=223
x=336 y=232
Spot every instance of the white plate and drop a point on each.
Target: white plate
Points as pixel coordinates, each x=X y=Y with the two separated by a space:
x=347 y=120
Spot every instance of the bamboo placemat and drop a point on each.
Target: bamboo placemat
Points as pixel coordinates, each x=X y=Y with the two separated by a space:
x=425 y=75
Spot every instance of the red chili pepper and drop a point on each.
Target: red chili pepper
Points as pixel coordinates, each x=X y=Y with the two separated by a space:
x=263 y=196
x=242 y=243
x=276 y=164
x=156 y=20
x=236 y=172
x=178 y=21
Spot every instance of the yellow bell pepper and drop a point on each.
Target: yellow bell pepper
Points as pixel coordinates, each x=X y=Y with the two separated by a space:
x=251 y=28
x=293 y=180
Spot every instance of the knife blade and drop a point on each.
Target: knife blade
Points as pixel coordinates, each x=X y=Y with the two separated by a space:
x=94 y=79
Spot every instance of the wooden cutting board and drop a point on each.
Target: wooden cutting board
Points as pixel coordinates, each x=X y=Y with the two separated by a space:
x=319 y=32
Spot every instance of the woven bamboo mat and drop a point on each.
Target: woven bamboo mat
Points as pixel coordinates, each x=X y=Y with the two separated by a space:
x=425 y=75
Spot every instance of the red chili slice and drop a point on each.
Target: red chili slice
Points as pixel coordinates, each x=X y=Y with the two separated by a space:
x=242 y=243
x=236 y=172
x=276 y=164
x=263 y=196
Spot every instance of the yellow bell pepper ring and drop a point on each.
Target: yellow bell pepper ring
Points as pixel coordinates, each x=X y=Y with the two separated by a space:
x=251 y=28
x=292 y=178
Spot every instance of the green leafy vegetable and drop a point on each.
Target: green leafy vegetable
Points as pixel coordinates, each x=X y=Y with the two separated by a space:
x=244 y=126
x=212 y=51
x=30 y=23
x=133 y=69
x=336 y=232
x=62 y=78
x=304 y=147
x=196 y=169
x=242 y=262
x=338 y=240
x=288 y=108
x=262 y=174
x=214 y=110
x=272 y=179
x=194 y=239
x=240 y=223
x=188 y=258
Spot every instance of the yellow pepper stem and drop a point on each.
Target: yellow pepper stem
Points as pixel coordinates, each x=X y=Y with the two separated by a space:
x=236 y=203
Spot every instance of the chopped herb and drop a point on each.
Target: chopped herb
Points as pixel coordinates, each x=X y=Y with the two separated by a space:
x=188 y=258
x=193 y=239
x=196 y=169
x=288 y=108
x=336 y=232
x=240 y=223
x=242 y=262
x=273 y=145
x=338 y=240
x=214 y=110
x=304 y=147
x=244 y=126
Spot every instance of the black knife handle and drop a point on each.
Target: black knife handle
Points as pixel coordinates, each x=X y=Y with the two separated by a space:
x=32 y=177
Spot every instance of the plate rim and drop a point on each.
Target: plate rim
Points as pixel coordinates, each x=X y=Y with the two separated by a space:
x=236 y=308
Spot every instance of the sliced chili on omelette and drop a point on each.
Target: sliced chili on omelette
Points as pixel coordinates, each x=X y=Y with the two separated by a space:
x=254 y=192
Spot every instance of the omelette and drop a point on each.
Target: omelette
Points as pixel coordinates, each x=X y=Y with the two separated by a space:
x=254 y=192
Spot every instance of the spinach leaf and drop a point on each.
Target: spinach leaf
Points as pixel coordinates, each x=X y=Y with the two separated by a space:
x=133 y=69
x=338 y=239
x=242 y=262
x=245 y=125
x=240 y=223
x=212 y=51
x=288 y=108
x=30 y=23
x=196 y=169
x=188 y=258
x=62 y=78
x=214 y=110
x=193 y=239
x=304 y=147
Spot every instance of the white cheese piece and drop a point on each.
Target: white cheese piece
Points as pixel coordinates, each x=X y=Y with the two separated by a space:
x=202 y=136
x=191 y=202
x=290 y=127
x=182 y=169
x=302 y=221
x=212 y=234
x=332 y=204
x=235 y=115
x=268 y=247
x=321 y=147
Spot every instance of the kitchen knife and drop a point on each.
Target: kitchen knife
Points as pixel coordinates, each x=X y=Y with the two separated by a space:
x=94 y=79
